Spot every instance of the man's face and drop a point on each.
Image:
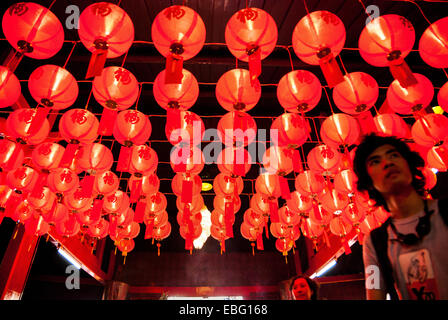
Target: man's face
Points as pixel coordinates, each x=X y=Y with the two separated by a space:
x=388 y=170
x=301 y=290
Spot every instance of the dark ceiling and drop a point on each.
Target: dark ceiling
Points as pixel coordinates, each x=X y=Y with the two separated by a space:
x=145 y=62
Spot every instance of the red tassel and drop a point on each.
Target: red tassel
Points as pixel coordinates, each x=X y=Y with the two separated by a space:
x=87 y=186
x=39 y=185
x=284 y=187
x=39 y=117
x=136 y=191
x=96 y=63
x=2 y=178
x=316 y=211
x=327 y=241
x=260 y=241
x=273 y=206
x=12 y=203
x=331 y=70
x=228 y=214
x=223 y=245
x=347 y=249
x=123 y=159
x=239 y=163
x=401 y=72
x=173 y=69
x=173 y=117
x=13 y=159
x=180 y=163
x=139 y=211
x=187 y=213
x=187 y=191
x=188 y=243
x=107 y=122
x=51 y=212
x=366 y=123
x=297 y=161
x=361 y=238
x=149 y=230
x=69 y=155
x=254 y=66
x=97 y=208
x=266 y=229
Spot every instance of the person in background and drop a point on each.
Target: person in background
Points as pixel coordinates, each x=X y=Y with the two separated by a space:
x=407 y=256
x=303 y=288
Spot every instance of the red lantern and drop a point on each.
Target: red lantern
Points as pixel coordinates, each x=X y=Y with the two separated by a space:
x=442 y=97
x=95 y=158
x=107 y=31
x=62 y=180
x=251 y=35
x=194 y=217
x=309 y=183
x=437 y=157
x=250 y=232
x=178 y=33
x=339 y=130
x=288 y=217
x=317 y=39
x=37 y=226
x=227 y=185
x=44 y=201
x=178 y=184
x=60 y=213
x=391 y=124
x=369 y=223
x=11 y=155
x=237 y=129
x=341 y=228
x=23 y=212
x=311 y=230
x=345 y=182
x=433 y=45
x=234 y=161
x=53 y=87
x=430 y=130
x=76 y=201
x=254 y=218
x=87 y=218
x=299 y=203
x=186 y=127
x=334 y=201
x=130 y=231
x=33 y=30
x=116 y=202
x=187 y=159
x=261 y=204
x=324 y=160
x=149 y=183
x=218 y=218
x=155 y=203
x=386 y=41
x=406 y=100
x=176 y=96
x=69 y=227
x=47 y=155
x=430 y=178
x=144 y=161
x=132 y=127
x=161 y=232
x=106 y=183
x=196 y=204
x=9 y=88
x=268 y=185
x=125 y=246
x=18 y=126
x=221 y=203
x=99 y=230
x=234 y=91
x=278 y=160
x=357 y=93
x=299 y=91
x=23 y=178
x=292 y=130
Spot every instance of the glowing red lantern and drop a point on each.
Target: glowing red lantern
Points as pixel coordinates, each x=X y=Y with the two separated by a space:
x=59 y=213
x=250 y=232
x=369 y=223
x=23 y=212
x=261 y=204
x=225 y=184
x=69 y=227
x=442 y=97
x=9 y=88
x=23 y=178
x=33 y=30
x=237 y=129
x=255 y=218
x=196 y=204
x=234 y=161
x=406 y=100
x=130 y=231
x=95 y=158
x=218 y=218
x=284 y=245
x=149 y=184
x=47 y=155
x=76 y=201
x=221 y=203
x=107 y=31
x=311 y=230
x=106 y=183
x=11 y=155
x=155 y=202
x=278 y=160
x=430 y=130
x=132 y=127
x=288 y=217
x=433 y=46
x=193 y=217
x=341 y=228
x=345 y=182
x=186 y=127
x=161 y=232
x=267 y=185
x=309 y=183
x=116 y=202
x=430 y=178
x=339 y=130
x=386 y=41
x=178 y=186
x=317 y=39
x=334 y=201
x=299 y=203
x=144 y=160
x=37 y=226
x=19 y=123
x=292 y=130
x=251 y=35
x=44 y=201
x=187 y=159
x=62 y=180
x=125 y=246
x=357 y=93
x=180 y=96
x=99 y=230
x=299 y=91
x=437 y=157
x=320 y=216
x=391 y=124
x=87 y=218
x=234 y=91
x=324 y=160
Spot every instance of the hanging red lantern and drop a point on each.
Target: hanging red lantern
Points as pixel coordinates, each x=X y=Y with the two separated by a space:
x=357 y=93
x=433 y=45
x=23 y=212
x=132 y=127
x=69 y=227
x=221 y=203
x=234 y=161
x=430 y=178
x=23 y=178
x=386 y=41
x=155 y=202
x=368 y=224
x=95 y=158
x=219 y=233
x=268 y=185
x=99 y=230
x=218 y=218
x=437 y=157
x=250 y=232
x=278 y=160
x=345 y=182
x=407 y=100
x=196 y=204
x=234 y=91
x=442 y=97
x=391 y=124
x=227 y=185
x=254 y=218
x=185 y=127
x=251 y=35
x=144 y=161
x=107 y=31
x=180 y=96
x=311 y=230
x=87 y=218
x=299 y=203
x=340 y=130
x=292 y=130
x=60 y=213
x=19 y=123
x=161 y=232
x=9 y=88
x=33 y=30
x=120 y=220
x=62 y=180
x=125 y=246
x=130 y=231
x=317 y=39
x=288 y=217
x=182 y=181
x=37 y=226
x=106 y=183
x=261 y=204
x=187 y=159
x=149 y=184
x=324 y=160
x=299 y=91
x=178 y=33
x=44 y=201
x=237 y=129
x=76 y=201
x=341 y=228
x=430 y=130
x=194 y=217
x=116 y=202
x=309 y=183
x=334 y=201
x=11 y=155
x=47 y=155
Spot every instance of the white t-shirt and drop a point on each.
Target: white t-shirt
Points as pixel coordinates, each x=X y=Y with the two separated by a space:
x=421 y=270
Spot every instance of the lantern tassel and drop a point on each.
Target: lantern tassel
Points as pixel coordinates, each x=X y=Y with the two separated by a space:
x=187 y=191
x=39 y=117
x=223 y=246
x=273 y=206
x=96 y=63
x=254 y=66
x=149 y=230
x=87 y=186
x=158 y=249
x=347 y=249
x=123 y=159
x=39 y=185
x=331 y=70
x=173 y=69
x=68 y=155
x=239 y=163
x=96 y=209
x=228 y=212
x=107 y=122
x=284 y=187
x=260 y=241
x=401 y=72
x=327 y=241
x=136 y=190
x=139 y=211
x=297 y=162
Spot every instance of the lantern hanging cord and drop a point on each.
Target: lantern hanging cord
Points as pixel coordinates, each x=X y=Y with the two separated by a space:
x=420 y=9
x=306 y=7
x=69 y=55
x=364 y=6
x=290 y=57
x=124 y=59
x=51 y=5
x=328 y=98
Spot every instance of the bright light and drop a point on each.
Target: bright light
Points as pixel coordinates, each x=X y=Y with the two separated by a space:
x=327 y=267
x=434 y=170
x=206 y=298
x=69 y=258
x=205 y=224
x=437 y=109
x=206 y=186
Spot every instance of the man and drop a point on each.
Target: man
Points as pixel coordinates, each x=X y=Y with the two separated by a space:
x=410 y=250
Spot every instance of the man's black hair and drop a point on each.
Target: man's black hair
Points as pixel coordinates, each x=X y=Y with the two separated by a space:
x=365 y=149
